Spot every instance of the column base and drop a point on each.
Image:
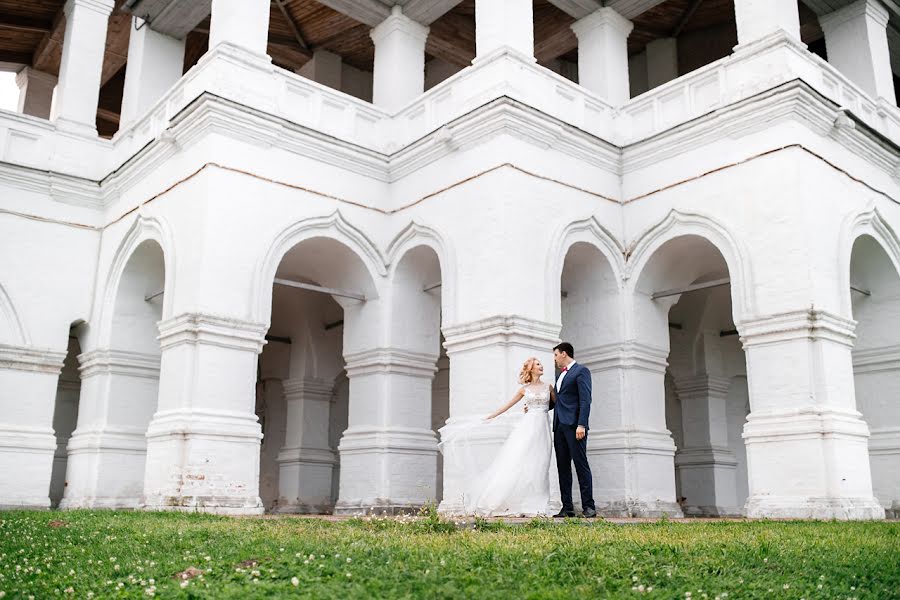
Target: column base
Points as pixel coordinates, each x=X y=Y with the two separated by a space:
x=808 y=507
x=645 y=509
x=379 y=508
x=712 y=511
x=26 y=462
x=215 y=505
x=298 y=508
x=893 y=512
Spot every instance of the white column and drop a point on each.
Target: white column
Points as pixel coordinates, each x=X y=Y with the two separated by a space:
x=108 y=447
x=399 y=74
x=603 y=54
x=758 y=18
x=856 y=40
x=204 y=440
x=807 y=453
x=706 y=464
x=28 y=379
x=155 y=63
x=78 y=91
x=306 y=460
x=662 y=61
x=35 y=92
x=326 y=68
x=244 y=23
x=504 y=23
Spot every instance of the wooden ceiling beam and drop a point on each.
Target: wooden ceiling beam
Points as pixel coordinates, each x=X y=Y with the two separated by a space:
x=42 y=58
x=19 y=58
x=427 y=12
x=633 y=8
x=30 y=25
x=369 y=12
x=117 y=37
x=577 y=8
x=452 y=39
x=295 y=29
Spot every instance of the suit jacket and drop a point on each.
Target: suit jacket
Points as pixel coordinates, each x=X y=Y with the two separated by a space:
x=573 y=399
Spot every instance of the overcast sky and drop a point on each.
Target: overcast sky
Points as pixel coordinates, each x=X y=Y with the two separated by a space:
x=9 y=91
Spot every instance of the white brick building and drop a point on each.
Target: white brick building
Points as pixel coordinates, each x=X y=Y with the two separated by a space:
x=279 y=276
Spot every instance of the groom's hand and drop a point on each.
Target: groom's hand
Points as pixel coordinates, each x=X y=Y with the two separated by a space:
x=579 y=433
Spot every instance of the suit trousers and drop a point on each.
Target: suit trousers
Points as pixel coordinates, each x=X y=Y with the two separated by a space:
x=569 y=450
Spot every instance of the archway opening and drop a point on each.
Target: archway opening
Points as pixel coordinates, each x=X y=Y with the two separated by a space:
x=875 y=295
x=685 y=306
x=302 y=388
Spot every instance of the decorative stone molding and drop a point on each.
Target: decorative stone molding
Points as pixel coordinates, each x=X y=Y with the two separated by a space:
x=508 y=330
x=705 y=457
x=391 y=360
x=804 y=423
x=812 y=324
x=404 y=440
x=307 y=388
x=307 y=456
x=868 y=9
x=204 y=329
x=106 y=361
x=631 y=441
x=702 y=386
x=128 y=440
x=397 y=22
x=26 y=358
x=626 y=355
x=14 y=438
x=873 y=360
x=602 y=17
x=884 y=441
x=215 y=424
x=104 y=7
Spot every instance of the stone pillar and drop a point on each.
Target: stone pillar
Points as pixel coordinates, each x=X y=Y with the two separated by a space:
x=758 y=18
x=485 y=357
x=629 y=447
x=807 y=452
x=399 y=73
x=65 y=419
x=877 y=381
x=35 y=92
x=326 y=68
x=204 y=440
x=108 y=447
x=306 y=460
x=856 y=40
x=504 y=23
x=389 y=432
x=28 y=379
x=603 y=54
x=244 y=23
x=706 y=464
x=78 y=91
x=662 y=61
x=155 y=62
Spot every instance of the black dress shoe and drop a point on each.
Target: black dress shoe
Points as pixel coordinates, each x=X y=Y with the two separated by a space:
x=564 y=514
x=590 y=513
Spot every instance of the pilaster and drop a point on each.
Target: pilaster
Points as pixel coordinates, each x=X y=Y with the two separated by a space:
x=399 y=73
x=504 y=24
x=662 y=61
x=603 y=54
x=155 y=63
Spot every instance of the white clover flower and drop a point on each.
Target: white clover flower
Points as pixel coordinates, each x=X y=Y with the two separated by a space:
x=115 y=567
x=349 y=560
x=295 y=581
x=349 y=575
x=634 y=577
x=151 y=581
x=641 y=588
x=69 y=590
x=184 y=583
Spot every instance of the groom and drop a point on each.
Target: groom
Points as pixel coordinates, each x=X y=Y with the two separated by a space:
x=571 y=414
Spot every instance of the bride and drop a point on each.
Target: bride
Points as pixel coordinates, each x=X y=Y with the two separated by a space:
x=517 y=482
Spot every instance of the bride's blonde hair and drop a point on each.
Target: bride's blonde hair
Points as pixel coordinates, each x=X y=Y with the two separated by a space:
x=526 y=375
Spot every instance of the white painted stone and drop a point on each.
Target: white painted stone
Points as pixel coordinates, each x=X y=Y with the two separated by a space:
x=155 y=62
x=78 y=90
x=324 y=67
x=36 y=90
x=603 y=54
x=244 y=23
x=758 y=18
x=662 y=61
x=857 y=45
x=399 y=74
x=504 y=24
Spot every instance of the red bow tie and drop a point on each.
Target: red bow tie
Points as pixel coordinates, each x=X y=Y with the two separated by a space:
x=564 y=369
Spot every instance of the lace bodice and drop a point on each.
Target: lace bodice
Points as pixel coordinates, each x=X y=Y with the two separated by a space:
x=537 y=399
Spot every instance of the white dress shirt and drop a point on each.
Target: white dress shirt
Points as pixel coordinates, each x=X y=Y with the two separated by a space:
x=562 y=375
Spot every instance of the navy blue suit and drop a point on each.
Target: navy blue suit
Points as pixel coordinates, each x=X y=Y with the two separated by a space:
x=571 y=409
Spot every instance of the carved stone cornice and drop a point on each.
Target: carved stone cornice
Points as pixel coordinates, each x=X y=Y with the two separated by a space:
x=307 y=389
x=504 y=330
x=391 y=360
x=626 y=355
x=212 y=330
x=105 y=361
x=26 y=358
x=809 y=324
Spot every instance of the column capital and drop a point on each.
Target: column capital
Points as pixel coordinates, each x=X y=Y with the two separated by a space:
x=26 y=358
x=870 y=9
x=308 y=388
x=213 y=330
x=602 y=17
x=810 y=324
x=28 y=74
x=104 y=7
x=505 y=330
x=104 y=361
x=391 y=360
x=702 y=386
x=398 y=22
x=630 y=354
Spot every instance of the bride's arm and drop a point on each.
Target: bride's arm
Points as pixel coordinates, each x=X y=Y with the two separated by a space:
x=508 y=405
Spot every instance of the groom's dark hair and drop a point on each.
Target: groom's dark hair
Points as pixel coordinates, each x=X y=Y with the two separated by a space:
x=567 y=348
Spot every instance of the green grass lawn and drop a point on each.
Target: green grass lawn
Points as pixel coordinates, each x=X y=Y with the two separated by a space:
x=109 y=554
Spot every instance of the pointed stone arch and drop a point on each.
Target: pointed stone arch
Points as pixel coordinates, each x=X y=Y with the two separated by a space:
x=872 y=223
x=414 y=235
x=13 y=329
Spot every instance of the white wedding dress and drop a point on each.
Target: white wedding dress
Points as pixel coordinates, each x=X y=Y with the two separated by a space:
x=517 y=482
